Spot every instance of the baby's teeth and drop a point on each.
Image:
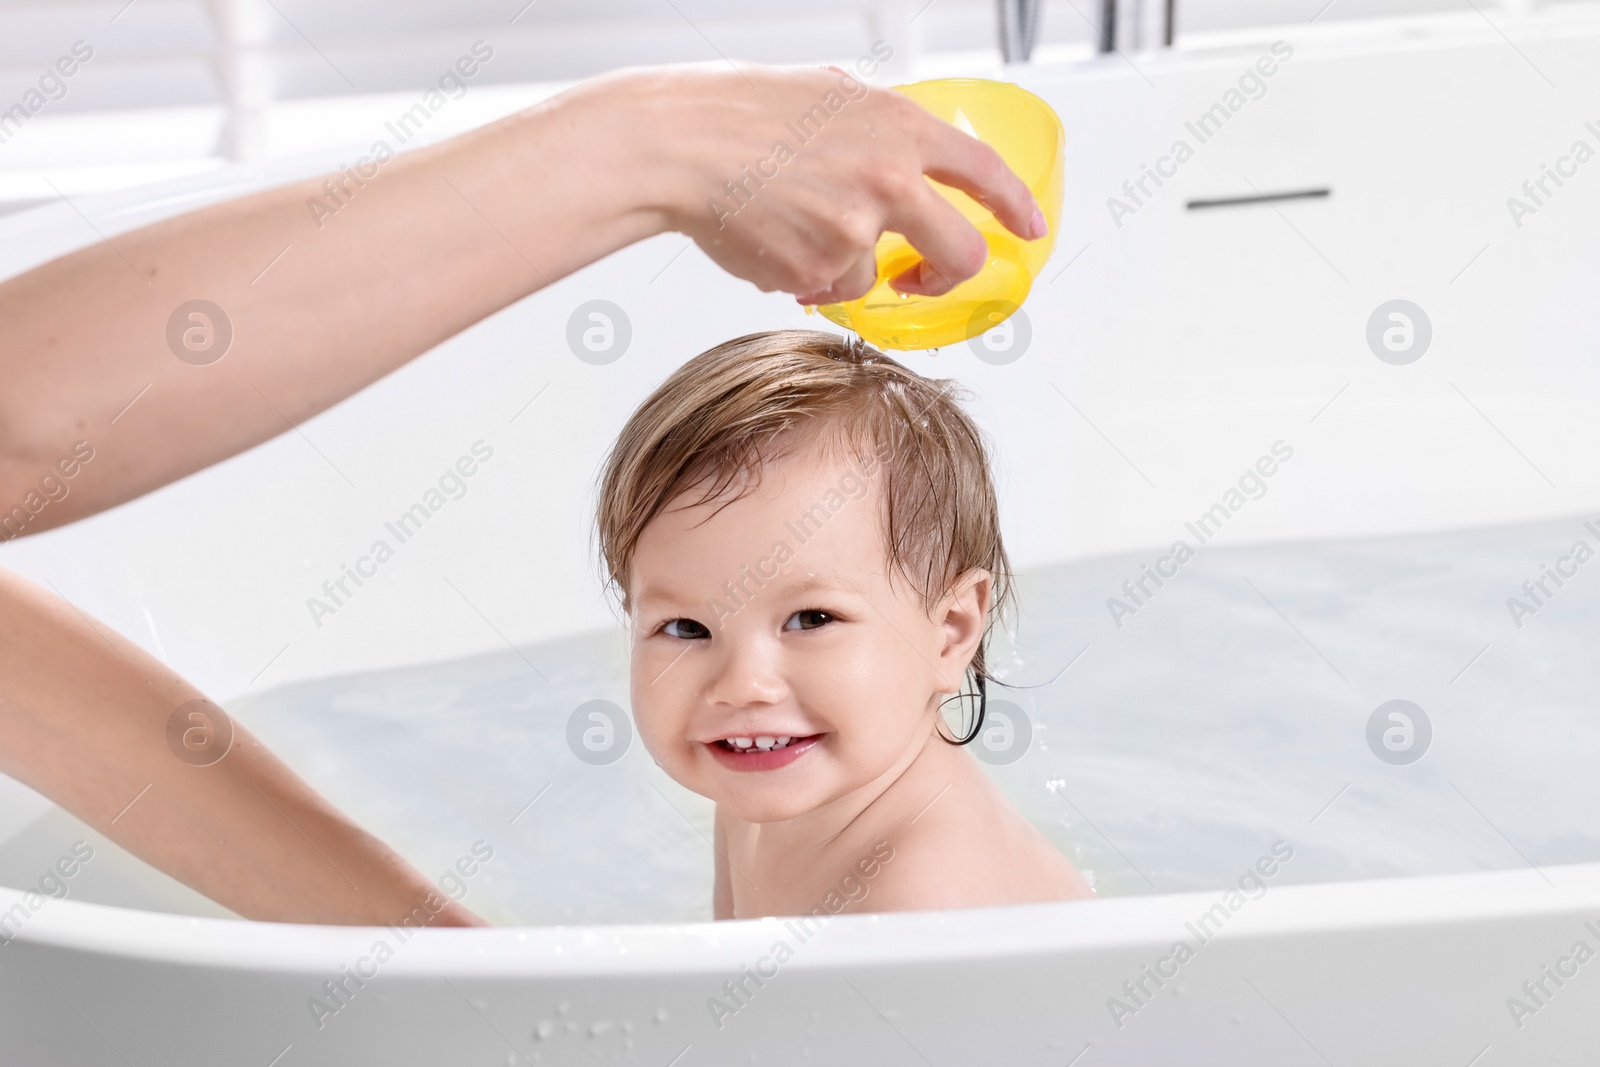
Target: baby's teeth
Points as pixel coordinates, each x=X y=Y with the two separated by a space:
x=763 y=743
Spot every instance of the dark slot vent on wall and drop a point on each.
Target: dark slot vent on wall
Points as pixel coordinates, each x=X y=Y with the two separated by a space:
x=1259 y=198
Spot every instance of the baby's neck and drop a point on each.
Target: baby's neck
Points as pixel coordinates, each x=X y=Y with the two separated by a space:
x=779 y=866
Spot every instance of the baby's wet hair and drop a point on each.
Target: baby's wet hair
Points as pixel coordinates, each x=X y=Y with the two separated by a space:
x=718 y=420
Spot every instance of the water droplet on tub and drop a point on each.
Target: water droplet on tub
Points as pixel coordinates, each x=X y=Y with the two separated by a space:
x=598 y=1028
x=545 y=1030
x=661 y=1015
x=563 y=1007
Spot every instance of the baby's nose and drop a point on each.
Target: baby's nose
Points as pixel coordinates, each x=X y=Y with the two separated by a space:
x=748 y=674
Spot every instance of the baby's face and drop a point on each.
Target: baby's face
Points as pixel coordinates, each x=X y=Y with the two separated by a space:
x=772 y=618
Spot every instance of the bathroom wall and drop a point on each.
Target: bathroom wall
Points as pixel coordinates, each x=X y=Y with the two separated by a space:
x=1171 y=348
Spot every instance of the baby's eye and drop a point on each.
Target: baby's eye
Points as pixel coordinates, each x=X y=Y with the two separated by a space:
x=686 y=629
x=809 y=619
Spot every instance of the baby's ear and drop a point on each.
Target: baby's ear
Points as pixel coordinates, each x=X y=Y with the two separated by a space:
x=964 y=614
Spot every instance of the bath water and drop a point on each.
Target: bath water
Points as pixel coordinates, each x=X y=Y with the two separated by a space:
x=1230 y=711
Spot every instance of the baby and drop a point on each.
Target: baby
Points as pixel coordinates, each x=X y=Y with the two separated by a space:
x=805 y=538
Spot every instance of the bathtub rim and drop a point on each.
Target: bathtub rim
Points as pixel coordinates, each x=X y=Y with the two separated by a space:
x=1149 y=922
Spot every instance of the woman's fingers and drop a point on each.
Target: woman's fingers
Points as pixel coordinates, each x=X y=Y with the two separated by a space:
x=857 y=281
x=924 y=279
x=952 y=248
x=966 y=163
x=793 y=220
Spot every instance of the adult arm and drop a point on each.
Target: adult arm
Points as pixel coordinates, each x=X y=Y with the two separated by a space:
x=83 y=720
x=443 y=236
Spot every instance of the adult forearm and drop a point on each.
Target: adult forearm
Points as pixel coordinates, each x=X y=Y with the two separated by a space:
x=84 y=719
x=425 y=245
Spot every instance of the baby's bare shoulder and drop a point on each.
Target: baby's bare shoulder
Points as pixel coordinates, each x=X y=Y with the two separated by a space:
x=969 y=857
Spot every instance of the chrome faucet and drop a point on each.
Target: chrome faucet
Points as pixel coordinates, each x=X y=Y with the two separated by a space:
x=1019 y=25
x=1125 y=25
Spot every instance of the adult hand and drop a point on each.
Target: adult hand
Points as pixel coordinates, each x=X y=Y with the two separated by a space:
x=788 y=177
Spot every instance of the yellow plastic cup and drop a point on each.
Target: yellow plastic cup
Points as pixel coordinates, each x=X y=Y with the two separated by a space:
x=1028 y=136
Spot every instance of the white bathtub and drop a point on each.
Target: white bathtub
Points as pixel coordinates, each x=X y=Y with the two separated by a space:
x=1168 y=353
x=1402 y=972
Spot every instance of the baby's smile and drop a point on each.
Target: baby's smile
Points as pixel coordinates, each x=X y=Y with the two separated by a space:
x=763 y=752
